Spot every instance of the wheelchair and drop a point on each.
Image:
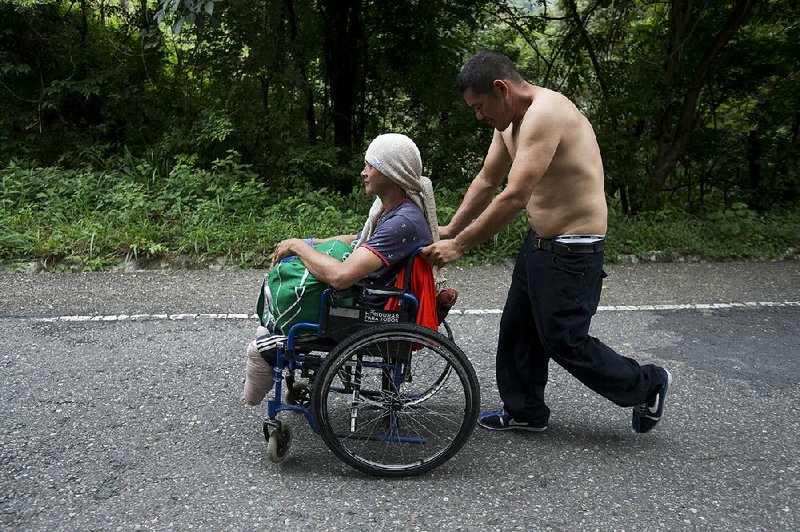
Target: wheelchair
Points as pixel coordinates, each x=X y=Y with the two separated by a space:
x=389 y=397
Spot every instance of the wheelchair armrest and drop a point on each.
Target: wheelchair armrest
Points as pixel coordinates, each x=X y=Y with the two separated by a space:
x=352 y=291
x=396 y=292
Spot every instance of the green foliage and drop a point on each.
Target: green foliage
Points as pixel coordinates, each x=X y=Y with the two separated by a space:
x=91 y=218
x=725 y=234
x=72 y=81
x=210 y=128
x=734 y=221
x=88 y=220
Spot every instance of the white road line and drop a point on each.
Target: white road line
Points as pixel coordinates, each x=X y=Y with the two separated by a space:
x=453 y=312
x=639 y=308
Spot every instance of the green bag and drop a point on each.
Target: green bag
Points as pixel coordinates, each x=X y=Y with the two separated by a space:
x=290 y=293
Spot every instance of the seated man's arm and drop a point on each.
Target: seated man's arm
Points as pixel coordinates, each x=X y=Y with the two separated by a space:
x=339 y=275
x=342 y=238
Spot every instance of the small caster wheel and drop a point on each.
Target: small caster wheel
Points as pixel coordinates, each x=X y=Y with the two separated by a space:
x=299 y=394
x=278 y=443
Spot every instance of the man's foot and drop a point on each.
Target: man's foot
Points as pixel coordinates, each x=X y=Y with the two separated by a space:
x=648 y=414
x=257 y=376
x=445 y=300
x=501 y=421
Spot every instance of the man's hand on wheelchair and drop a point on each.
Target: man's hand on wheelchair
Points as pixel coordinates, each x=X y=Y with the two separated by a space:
x=443 y=252
x=446 y=232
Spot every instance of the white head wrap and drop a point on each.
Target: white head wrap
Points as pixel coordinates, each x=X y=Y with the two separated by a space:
x=397 y=157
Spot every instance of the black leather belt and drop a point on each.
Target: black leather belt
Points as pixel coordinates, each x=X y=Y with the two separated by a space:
x=560 y=248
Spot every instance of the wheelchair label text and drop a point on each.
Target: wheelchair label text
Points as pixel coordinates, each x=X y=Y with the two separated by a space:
x=378 y=316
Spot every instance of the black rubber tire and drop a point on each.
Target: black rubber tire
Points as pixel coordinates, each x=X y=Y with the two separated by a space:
x=381 y=421
x=279 y=442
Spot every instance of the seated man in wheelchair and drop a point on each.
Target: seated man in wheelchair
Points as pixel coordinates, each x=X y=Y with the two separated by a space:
x=402 y=219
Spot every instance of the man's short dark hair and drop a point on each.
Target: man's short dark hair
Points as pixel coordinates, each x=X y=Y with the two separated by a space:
x=480 y=71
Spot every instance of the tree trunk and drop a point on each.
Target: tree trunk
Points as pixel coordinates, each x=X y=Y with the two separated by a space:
x=84 y=28
x=144 y=16
x=343 y=36
x=308 y=93
x=264 y=81
x=580 y=27
x=677 y=124
x=754 y=170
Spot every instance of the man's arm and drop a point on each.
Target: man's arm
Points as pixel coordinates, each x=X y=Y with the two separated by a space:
x=338 y=275
x=482 y=189
x=342 y=238
x=538 y=140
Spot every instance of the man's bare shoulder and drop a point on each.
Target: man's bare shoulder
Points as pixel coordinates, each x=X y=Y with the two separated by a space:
x=549 y=109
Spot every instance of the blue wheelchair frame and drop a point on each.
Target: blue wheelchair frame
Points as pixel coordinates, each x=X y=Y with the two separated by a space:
x=294 y=360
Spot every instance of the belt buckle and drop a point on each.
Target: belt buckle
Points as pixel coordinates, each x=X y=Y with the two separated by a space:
x=559 y=248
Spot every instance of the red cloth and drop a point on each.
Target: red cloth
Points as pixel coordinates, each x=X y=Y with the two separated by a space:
x=424 y=289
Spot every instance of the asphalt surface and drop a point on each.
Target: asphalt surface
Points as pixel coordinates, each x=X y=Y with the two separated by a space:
x=137 y=424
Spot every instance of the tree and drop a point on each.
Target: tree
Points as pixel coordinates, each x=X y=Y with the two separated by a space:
x=677 y=117
x=344 y=62
x=693 y=103
x=78 y=79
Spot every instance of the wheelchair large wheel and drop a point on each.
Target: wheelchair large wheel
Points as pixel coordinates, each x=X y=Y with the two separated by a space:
x=385 y=404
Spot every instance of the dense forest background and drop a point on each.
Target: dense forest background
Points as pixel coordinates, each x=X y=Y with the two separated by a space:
x=139 y=113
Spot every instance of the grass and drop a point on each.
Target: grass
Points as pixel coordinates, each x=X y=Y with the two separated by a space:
x=91 y=219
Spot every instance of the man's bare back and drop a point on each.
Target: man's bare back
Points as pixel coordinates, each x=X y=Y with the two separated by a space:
x=569 y=199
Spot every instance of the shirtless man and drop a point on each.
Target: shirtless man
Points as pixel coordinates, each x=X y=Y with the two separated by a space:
x=556 y=175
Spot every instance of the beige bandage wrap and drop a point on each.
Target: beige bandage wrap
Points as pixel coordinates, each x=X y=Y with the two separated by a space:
x=257 y=374
x=397 y=157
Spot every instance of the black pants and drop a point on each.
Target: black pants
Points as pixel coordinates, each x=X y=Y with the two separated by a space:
x=550 y=305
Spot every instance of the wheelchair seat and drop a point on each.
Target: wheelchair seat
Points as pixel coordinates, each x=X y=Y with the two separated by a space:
x=413 y=293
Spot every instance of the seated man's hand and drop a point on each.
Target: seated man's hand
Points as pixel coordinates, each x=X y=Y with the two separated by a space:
x=285 y=248
x=443 y=252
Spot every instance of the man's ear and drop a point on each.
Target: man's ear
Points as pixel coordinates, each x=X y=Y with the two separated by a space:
x=501 y=86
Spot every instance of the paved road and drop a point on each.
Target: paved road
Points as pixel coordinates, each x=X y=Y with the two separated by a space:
x=132 y=424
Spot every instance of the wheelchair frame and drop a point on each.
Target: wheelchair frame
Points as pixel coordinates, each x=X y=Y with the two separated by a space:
x=382 y=383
